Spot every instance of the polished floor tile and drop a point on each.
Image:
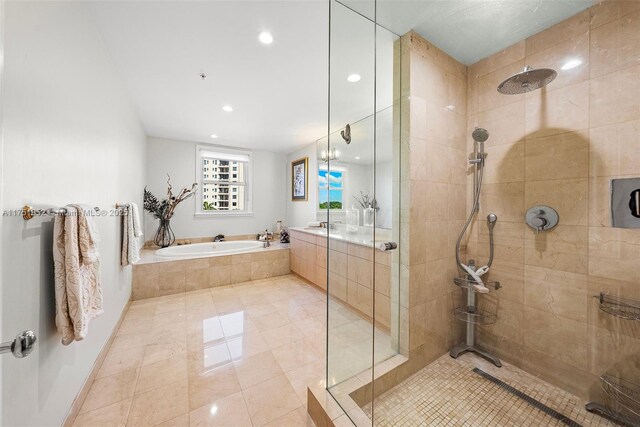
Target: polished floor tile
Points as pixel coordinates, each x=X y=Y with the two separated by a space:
x=233 y=355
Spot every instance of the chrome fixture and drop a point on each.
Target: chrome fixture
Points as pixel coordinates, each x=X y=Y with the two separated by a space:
x=527 y=80
x=471 y=275
x=388 y=246
x=625 y=202
x=542 y=218
x=477 y=159
x=330 y=155
x=346 y=134
x=21 y=346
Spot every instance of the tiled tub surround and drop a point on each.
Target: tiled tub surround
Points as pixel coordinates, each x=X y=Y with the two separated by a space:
x=351 y=270
x=561 y=146
x=154 y=277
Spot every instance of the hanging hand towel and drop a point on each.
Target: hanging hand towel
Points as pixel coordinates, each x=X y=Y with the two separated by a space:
x=131 y=233
x=76 y=257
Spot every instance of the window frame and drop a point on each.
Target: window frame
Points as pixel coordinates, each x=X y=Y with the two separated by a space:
x=209 y=152
x=345 y=179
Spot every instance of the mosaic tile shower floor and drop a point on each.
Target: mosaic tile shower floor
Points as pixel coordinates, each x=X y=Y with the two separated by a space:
x=448 y=393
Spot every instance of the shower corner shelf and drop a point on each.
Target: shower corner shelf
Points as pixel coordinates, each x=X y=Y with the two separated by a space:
x=466 y=283
x=623 y=308
x=475 y=316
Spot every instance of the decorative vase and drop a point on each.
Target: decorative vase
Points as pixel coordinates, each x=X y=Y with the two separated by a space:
x=353 y=220
x=164 y=235
x=367 y=217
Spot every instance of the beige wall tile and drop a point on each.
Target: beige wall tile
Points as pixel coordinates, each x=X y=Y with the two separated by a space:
x=220 y=275
x=570 y=197
x=615 y=149
x=197 y=279
x=560 y=293
x=172 y=282
x=610 y=10
x=615 y=45
x=559 y=156
x=614 y=253
x=505 y=124
x=507 y=163
x=472 y=89
x=564 y=248
x=572 y=27
x=558 y=111
x=506 y=200
x=488 y=90
x=615 y=97
x=556 y=56
x=241 y=272
x=553 y=335
x=502 y=58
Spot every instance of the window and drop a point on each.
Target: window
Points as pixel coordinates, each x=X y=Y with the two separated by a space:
x=217 y=183
x=331 y=189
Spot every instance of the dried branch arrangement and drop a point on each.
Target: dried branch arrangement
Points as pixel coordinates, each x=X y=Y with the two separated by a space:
x=163 y=209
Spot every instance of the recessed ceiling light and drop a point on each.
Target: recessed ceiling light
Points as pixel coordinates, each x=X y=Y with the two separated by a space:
x=573 y=63
x=228 y=108
x=357 y=157
x=354 y=78
x=265 y=37
x=213 y=136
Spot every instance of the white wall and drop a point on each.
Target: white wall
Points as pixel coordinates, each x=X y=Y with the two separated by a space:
x=70 y=135
x=299 y=213
x=177 y=158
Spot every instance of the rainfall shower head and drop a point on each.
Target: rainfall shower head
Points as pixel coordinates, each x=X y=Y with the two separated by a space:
x=480 y=135
x=527 y=80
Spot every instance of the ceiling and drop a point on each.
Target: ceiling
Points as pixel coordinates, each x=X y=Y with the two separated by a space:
x=279 y=92
x=470 y=30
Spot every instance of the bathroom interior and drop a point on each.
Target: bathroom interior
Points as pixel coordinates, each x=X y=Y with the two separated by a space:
x=389 y=213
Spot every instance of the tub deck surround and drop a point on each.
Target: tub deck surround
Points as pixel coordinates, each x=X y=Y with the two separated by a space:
x=352 y=264
x=154 y=276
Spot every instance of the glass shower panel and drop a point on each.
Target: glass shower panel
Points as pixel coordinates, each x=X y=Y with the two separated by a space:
x=359 y=198
x=346 y=196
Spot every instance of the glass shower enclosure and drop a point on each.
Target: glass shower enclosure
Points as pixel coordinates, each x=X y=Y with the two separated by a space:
x=359 y=198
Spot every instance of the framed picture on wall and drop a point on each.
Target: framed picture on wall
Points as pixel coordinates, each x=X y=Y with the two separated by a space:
x=299 y=179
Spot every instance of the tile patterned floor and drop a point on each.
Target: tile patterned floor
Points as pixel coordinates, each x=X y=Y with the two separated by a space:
x=239 y=355
x=448 y=393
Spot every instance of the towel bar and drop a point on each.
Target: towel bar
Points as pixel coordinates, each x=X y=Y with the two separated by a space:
x=28 y=212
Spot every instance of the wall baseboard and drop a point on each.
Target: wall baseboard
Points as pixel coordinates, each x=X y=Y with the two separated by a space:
x=84 y=391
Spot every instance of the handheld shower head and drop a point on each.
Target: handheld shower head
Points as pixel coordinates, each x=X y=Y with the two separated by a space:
x=480 y=135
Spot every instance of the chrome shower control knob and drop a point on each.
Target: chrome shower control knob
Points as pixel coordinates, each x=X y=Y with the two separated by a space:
x=542 y=218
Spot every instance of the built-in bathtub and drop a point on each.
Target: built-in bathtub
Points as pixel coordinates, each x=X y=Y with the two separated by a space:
x=203 y=250
x=196 y=266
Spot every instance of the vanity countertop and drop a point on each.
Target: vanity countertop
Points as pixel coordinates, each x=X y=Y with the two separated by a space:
x=362 y=239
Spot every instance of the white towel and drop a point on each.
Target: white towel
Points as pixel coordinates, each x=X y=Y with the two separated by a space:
x=131 y=233
x=76 y=262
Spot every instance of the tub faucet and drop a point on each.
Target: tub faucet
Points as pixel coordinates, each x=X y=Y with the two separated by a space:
x=267 y=234
x=219 y=238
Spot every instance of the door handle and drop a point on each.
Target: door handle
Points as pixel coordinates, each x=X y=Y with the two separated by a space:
x=388 y=246
x=21 y=346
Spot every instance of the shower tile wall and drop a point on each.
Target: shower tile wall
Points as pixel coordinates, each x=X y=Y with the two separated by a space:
x=434 y=147
x=560 y=146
